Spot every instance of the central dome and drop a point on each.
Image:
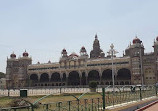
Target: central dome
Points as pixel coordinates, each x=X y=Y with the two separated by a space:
x=73 y=54
x=136 y=40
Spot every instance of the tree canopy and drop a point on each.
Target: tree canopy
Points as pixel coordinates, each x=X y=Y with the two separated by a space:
x=2 y=75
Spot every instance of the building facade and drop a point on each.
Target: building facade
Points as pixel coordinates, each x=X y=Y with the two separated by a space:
x=3 y=83
x=16 y=70
x=134 y=67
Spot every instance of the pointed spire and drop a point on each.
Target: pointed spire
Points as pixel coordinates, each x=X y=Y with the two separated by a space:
x=49 y=61
x=96 y=37
x=136 y=36
x=112 y=46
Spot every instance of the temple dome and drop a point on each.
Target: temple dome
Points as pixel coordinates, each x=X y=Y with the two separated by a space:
x=136 y=40
x=25 y=54
x=13 y=55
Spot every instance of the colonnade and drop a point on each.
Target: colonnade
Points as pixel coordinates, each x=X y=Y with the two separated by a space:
x=75 y=78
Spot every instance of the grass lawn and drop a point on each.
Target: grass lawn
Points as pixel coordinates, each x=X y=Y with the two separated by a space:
x=4 y=101
x=110 y=99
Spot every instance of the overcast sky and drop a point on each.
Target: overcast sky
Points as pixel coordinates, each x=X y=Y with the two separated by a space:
x=45 y=27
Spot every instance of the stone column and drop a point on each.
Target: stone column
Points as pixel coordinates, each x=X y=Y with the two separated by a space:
x=49 y=74
x=67 y=75
x=80 y=76
x=100 y=75
x=39 y=75
x=86 y=74
x=61 y=78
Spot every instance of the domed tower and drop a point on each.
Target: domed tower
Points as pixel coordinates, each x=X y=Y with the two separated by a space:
x=156 y=57
x=13 y=56
x=135 y=49
x=96 y=52
x=11 y=65
x=136 y=53
x=156 y=46
x=83 y=52
x=64 y=58
x=24 y=62
x=25 y=54
x=64 y=53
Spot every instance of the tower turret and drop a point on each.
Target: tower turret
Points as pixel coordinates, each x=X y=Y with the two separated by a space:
x=135 y=48
x=156 y=46
x=83 y=52
x=96 y=52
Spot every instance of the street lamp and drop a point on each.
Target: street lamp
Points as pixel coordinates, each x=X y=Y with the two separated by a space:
x=112 y=52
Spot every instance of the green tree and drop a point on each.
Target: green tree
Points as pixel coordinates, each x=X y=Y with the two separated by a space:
x=2 y=75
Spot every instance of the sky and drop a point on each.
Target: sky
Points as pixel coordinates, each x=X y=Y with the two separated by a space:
x=44 y=27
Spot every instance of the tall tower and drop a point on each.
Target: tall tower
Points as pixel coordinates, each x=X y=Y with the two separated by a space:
x=156 y=57
x=96 y=52
x=12 y=71
x=16 y=70
x=156 y=47
x=24 y=61
x=136 y=53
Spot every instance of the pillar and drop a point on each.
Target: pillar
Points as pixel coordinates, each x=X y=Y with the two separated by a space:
x=67 y=75
x=61 y=78
x=39 y=75
x=80 y=76
x=49 y=74
x=100 y=75
x=86 y=74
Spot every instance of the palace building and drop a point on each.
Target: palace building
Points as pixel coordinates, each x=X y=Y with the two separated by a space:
x=134 y=67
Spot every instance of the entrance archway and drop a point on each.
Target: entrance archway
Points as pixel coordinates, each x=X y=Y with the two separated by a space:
x=93 y=76
x=55 y=77
x=107 y=74
x=73 y=78
x=34 y=77
x=83 y=78
x=124 y=75
x=44 y=77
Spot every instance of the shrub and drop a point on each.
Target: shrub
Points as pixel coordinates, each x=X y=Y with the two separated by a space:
x=92 y=84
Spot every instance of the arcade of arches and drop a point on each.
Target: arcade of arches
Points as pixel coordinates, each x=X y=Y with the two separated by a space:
x=75 y=78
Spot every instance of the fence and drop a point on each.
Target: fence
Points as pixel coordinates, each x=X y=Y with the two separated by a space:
x=43 y=91
x=56 y=90
x=123 y=94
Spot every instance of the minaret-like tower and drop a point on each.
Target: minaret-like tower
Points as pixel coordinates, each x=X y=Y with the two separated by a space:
x=156 y=47
x=16 y=70
x=134 y=49
x=96 y=52
x=64 y=54
x=64 y=58
x=156 y=57
x=136 y=53
x=24 y=62
x=11 y=70
x=83 y=53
